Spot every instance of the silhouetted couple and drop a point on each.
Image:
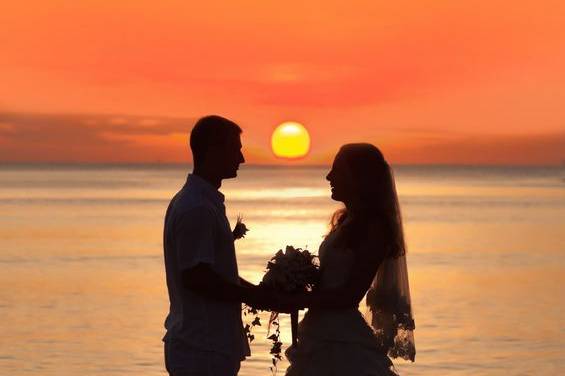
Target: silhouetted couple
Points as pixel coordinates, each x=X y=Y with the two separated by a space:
x=362 y=255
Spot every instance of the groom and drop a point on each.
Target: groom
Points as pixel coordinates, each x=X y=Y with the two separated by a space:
x=205 y=334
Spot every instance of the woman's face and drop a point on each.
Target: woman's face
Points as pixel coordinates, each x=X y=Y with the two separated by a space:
x=341 y=180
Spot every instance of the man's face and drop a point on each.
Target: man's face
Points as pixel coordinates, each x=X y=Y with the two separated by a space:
x=231 y=157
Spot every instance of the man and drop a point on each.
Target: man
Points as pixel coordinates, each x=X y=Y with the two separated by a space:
x=205 y=334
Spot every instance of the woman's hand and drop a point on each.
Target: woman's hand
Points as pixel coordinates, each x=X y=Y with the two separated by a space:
x=287 y=302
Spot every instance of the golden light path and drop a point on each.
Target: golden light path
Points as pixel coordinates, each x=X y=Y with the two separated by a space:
x=290 y=140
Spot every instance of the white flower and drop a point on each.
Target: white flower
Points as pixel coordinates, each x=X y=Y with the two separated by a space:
x=240 y=228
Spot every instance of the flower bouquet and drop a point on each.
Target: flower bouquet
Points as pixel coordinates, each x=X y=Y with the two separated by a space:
x=292 y=271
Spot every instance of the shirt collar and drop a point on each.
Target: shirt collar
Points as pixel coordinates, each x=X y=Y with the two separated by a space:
x=206 y=188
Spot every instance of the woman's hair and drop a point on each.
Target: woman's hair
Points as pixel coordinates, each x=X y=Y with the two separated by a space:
x=377 y=194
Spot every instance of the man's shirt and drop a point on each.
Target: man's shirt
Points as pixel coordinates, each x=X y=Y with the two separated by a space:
x=197 y=231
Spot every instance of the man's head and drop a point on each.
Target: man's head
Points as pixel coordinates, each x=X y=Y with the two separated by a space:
x=216 y=146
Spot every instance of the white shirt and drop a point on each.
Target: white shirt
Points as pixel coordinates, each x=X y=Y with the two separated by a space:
x=197 y=231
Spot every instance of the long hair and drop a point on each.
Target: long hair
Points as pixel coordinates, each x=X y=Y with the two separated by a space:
x=377 y=193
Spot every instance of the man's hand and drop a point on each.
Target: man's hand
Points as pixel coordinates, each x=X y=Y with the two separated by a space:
x=258 y=297
x=246 y=283
x=265 y=298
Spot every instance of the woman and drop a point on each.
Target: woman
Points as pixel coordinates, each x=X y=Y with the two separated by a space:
x=364 y=253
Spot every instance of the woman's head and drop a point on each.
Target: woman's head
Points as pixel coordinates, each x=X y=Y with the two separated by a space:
x=359 y=172
x=362 y=179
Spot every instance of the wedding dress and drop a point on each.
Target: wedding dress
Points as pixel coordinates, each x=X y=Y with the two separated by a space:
x=338 y=342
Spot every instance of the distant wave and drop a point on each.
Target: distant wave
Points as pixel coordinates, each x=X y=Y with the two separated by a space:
x=82 y=258
x=82 y=201
x=308 y=201
x=476 y=259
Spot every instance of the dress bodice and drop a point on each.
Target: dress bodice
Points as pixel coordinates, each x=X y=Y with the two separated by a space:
x=336 y=262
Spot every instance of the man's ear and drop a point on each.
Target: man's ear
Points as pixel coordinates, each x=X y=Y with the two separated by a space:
x=204 y=159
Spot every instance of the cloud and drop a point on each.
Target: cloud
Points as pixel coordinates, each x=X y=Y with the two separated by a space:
x=87 y=137
x=33 y=126
x=35 y=137
x=532 y=149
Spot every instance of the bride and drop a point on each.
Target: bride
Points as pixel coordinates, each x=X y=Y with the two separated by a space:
x=363 y=254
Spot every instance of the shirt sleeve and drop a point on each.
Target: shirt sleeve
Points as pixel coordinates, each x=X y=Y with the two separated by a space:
x=195 y=238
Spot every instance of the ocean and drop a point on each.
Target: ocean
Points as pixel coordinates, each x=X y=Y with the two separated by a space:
x=83 y=286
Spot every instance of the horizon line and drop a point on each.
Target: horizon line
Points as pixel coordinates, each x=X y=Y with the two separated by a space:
x=261 y=165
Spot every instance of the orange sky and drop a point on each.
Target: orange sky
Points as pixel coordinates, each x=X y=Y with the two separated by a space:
x=428 y=81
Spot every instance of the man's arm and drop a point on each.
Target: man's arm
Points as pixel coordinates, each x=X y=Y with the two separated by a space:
x=195 y=256
x=206 y=282
x=245 y=283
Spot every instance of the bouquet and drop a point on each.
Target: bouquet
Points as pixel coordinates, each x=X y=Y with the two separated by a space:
x=292 y=271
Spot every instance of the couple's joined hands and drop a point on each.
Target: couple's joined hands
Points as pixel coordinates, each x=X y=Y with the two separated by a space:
x=268 y=299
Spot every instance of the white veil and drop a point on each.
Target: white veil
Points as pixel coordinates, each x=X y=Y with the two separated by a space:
x=390 y=308
x=388 y=298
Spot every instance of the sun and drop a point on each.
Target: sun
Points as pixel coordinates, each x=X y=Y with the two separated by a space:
x=290 y=140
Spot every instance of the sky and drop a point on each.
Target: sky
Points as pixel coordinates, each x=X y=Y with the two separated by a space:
x=450 y=82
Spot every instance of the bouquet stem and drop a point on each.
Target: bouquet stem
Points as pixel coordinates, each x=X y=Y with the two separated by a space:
x=294 y=327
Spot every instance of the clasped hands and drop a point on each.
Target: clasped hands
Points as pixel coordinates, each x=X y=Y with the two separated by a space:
x=268 y=299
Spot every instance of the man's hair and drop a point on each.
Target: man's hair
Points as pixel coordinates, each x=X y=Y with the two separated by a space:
x=211 y=130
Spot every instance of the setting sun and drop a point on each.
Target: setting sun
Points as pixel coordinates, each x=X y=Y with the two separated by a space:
x=290 y=140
